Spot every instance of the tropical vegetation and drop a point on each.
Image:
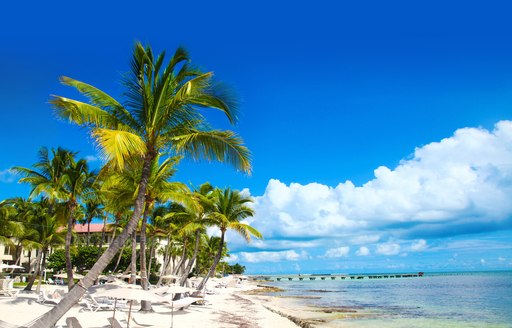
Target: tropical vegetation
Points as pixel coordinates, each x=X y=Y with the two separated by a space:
x=142 y=138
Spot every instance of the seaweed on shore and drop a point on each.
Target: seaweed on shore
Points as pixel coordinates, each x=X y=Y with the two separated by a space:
x=263 y=289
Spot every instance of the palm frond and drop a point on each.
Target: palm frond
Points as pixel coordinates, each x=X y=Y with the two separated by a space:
x=82 y=113
x=223 y=146
x=118 y=145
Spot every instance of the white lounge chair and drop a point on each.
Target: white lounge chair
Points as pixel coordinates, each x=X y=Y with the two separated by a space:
x=100 y=304
x=43 y=298
x=183 y=303
x=7 y=288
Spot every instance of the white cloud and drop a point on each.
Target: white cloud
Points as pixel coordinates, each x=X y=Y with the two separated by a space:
x=365 y=239
x=482 y=261
x=459 y=182
x=501 y=259
x=363 y=251
x=289 y=255
x=388 y=249
x=231 y=258
x=6 y=176
x=419 y=245
x=337 y=252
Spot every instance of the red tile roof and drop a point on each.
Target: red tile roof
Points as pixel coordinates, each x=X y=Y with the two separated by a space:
x=95 y=227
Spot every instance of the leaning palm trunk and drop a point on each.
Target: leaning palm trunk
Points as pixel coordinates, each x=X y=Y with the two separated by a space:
x=69 y=234
x=51 y=317
x=36 y=271
x=177 y=268
x=214 y=265
x=166 y=261
x=145 y=305
x=119 y=259
x=133 y=265
x=192 y=260
x=41 y=272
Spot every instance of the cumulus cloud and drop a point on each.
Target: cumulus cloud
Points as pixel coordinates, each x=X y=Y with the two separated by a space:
x=231 y=258
x=6 y=176
x=363 y=251
x=419 y=245
x=289 y=255
x=337 y=252
x=458 y=185
x=388 y=249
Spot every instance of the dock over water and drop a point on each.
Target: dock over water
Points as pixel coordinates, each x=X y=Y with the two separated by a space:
x=341 y=276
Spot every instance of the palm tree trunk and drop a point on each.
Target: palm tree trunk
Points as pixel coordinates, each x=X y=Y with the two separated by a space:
x=69 y=234
x=88 y=231
x=145 y=306
x=133 y=265
x=151 y=255
x=50 y=318
x=215 y=262
x=102 y=236
x=192 y=260
x=43 y=267
x=176 y=269
x=166 y=260
x=119 y=259
x=36 y=271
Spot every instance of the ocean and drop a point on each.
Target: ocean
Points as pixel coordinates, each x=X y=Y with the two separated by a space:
x=469 y=299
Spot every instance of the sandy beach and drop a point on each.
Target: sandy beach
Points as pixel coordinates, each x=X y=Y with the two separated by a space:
x=228 y=307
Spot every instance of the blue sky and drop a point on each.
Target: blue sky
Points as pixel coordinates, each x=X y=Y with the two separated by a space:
x=379 y=132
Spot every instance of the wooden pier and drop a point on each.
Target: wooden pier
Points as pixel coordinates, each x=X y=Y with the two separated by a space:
x=347 y=276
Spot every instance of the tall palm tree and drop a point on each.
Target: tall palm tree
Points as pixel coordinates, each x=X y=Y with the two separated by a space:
x=77 y=182
x=197 y=221
x=230 y=207
x=60 y=178
x=161 y=112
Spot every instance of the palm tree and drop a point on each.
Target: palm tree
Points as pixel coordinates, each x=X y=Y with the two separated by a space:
x=197 y=220
x=93 y=209
x=59 y=178
x=230 y=207
x=77 y=182
x=9 y=227
x=46 y=232
x=161 y=112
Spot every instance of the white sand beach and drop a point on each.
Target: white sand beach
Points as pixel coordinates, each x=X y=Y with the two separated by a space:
x=228 y=307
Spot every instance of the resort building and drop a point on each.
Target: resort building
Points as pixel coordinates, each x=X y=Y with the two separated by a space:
x=28 y=257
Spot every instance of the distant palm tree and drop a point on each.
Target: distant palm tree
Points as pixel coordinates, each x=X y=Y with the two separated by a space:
x=197 y=219
x=230 y=207
x=93 y=209
x=46 y=232
x=160 y=112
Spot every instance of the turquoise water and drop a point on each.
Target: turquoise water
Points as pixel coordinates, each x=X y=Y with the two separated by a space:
x=480 y=299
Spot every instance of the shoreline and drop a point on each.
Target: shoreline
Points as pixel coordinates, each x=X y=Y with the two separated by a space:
x=228 y=307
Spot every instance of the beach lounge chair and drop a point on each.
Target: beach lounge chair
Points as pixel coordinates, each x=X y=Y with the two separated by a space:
x=183 y=303
x=7 y=288
x=100 y=304
x=72 y=322
x=43 y=298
